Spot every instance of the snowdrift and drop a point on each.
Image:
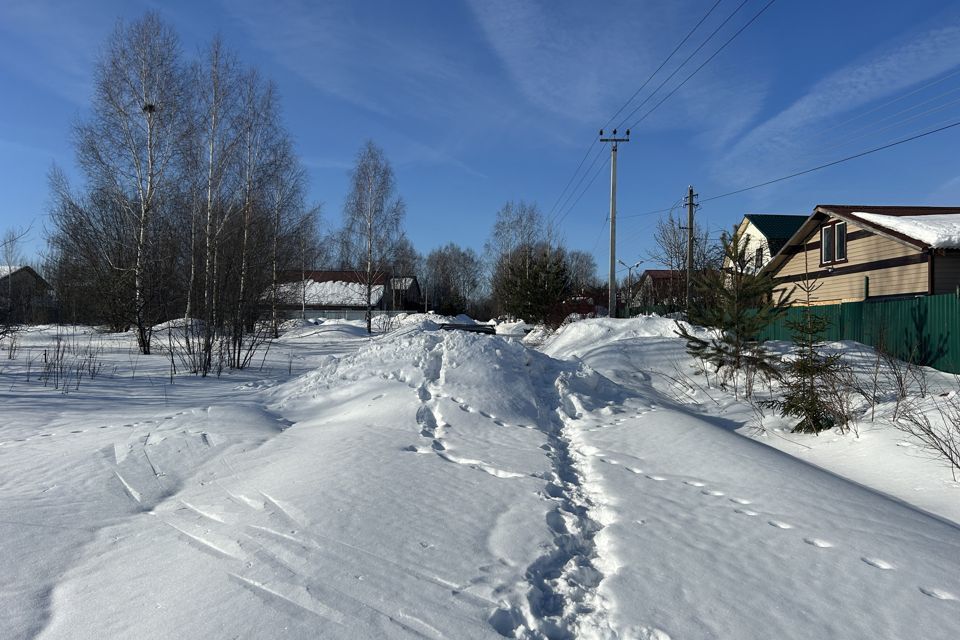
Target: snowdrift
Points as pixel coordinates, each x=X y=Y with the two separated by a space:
x=574 y=339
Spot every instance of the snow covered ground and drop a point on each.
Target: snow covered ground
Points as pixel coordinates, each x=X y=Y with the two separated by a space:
x=452 y=485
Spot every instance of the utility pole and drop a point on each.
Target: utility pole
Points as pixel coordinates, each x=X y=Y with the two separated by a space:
x=691 y=205
x=612 y=295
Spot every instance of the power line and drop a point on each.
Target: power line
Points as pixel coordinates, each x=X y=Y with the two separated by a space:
x=866 y=131
x=603 y=228
x=686 y=60
x=550 y=214
x=705 y=62
x=557 y=216
x=574 y=175
x=889 y=145
x=585 y=189
x=666 y=60
x=836 y=162
x=892 y=101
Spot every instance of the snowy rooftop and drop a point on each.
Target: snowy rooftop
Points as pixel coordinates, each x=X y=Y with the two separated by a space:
x=940 y=230
x=7 y=269
x=332 y=293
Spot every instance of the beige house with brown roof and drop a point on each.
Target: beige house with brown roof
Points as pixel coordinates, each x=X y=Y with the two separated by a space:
x=857 y=252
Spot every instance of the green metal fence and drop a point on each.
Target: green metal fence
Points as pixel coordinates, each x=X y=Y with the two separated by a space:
x=924 y=330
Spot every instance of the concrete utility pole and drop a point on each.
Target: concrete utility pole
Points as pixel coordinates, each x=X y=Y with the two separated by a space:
x=613 y=140
x=691 y=205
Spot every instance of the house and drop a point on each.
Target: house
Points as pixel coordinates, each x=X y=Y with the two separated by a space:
x=855 y=252
x=24 y=295
x=660 y=287
x=764 y=234
x=347 y=291
x=405 y=293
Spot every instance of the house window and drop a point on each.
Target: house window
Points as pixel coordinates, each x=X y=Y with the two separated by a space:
x=833 y=243
x=758 y=259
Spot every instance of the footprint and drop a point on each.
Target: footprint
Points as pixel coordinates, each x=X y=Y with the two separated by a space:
x=711 y=492
x=695 y=483
x=939 y=594
x=878 y=563
x=746 y=512
x=740 y=501
x=634 y=470
x=817 y=542
x=657 y=478
x=779 y=525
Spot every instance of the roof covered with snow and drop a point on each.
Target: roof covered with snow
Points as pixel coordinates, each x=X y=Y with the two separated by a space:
x=7 y=269
x=331 y=293
x=941 y=231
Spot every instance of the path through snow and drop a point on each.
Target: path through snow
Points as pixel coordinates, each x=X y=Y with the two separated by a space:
x=447 y=485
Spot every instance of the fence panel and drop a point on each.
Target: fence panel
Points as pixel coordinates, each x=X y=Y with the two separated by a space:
x=925 y=330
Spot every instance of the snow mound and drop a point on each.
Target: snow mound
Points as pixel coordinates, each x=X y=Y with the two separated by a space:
x=296 y=323
x=503 y=377
x=574 y=339
x=178 y=324
x=517 y=329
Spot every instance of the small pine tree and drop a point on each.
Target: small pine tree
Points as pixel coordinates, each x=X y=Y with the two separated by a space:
x=740 y=303
x=807 y=372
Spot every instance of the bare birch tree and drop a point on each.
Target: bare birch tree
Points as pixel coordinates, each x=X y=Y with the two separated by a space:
x=373 y=215
x=130 y=143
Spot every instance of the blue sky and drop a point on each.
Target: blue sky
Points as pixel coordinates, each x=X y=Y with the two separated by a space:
x=480 y=101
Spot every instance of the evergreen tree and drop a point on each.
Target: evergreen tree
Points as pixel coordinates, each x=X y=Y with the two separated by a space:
x=739 y=303
x=806 y=373
x=533 y=281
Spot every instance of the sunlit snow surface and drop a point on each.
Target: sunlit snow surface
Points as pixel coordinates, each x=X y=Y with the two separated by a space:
x=941 y=231
x=443 y=484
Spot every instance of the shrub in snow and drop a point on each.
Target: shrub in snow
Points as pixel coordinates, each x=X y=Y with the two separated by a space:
x=938 y=431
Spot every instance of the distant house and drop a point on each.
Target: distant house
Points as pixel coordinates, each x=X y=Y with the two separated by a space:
x=347 y=291
x=24 y=295
x=857 y=252
x=764 y=234
x=405 y=293
x=660 y=288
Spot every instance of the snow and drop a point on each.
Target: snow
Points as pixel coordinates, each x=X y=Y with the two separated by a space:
x=440 y=484
x=401 y=284
x=941 y=231
x=6 y=269
x=331 y=293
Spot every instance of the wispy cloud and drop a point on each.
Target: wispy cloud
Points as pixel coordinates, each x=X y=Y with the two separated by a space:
x=948 y=193
x=581 y=64
x=361 y=57
x=572 y=63
x=54 y=45
x=919 y=57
